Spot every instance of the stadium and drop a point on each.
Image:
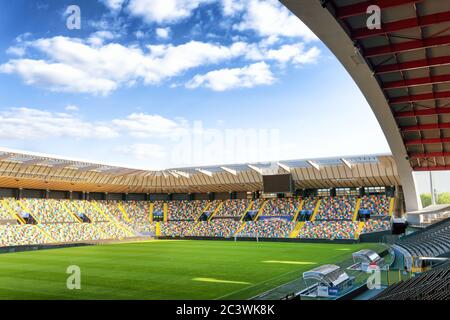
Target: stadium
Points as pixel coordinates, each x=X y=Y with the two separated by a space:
x=331 y=228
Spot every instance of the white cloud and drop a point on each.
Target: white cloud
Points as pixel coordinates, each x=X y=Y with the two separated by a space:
x=72 y=108
x=72 y=65
x=58 y=76
x=26 y=123
x=140 y=34
x=271 y=18
x=293 y=53
x=164 y=11
x=163 y=33
x=145 y=126
x=99 y=37
x=226 y=79
x=114 y=4
x=231 y=7
x=143 y=151
x=16 y=51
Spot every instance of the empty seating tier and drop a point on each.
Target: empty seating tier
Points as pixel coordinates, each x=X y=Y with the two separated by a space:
x=432 y=241
x=337 y=208
x=328 y=230
x=270 y=228
x=431 y=285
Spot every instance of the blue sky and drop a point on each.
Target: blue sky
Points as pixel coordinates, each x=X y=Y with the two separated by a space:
x=142 y=80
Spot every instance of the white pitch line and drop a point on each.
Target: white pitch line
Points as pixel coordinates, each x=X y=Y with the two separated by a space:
x=257 y=284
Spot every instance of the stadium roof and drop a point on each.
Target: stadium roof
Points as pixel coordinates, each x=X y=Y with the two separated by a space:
x=38 y=171
x=402 y=68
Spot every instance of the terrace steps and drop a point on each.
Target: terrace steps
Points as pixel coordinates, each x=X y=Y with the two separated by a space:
x=296 y=230
x=124 y=212
x=158 y=229
x=100 y=210
x=205 y=209
x=316 y=210
x=239 y=229
x=13 y=212
x=165 y=211
x=45 y=233
x=391 y=206
x=355 y=214
x=300 y=207
x=76 y=217
x=150 y=212
x=215 y=211
x=261 y=210
x=112 y=219
x=359 y=230
x=27 y=210
x=246 y=210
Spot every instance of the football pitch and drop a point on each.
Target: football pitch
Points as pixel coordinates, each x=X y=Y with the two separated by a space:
x=164 y=269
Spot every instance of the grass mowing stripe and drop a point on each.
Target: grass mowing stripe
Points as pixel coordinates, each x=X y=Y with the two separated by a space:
x=161 y=269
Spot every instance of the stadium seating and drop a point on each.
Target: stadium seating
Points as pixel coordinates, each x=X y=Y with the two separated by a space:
x=310 y=204
x=214 y=205
x=186 y=210
x=337 y=208
x=4 y=212
x=431 y=285
x=177 y=228
x=14 y=205
x=432 y=241
x=377 y=205
x=138 y=213
x=48 y=211
x=111 y=208
x=256 y=204
x=233 y=208
x=224 y=228
x=269 y=228
x=73 y=232
x=328 y=230
x=375 y=225
x=121 y=219
x=19 y=235
x=158 y=206
x=281 y=207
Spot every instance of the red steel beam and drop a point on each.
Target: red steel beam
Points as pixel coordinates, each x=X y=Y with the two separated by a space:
x=429 y=155
x=424 y=112
x=427 y=141
x=411 y=65
x=407 y=46
x=421 y=97
x=425 y=127
x=417 y=82
x=436 y=168
x=361 y=8
x=399 y=25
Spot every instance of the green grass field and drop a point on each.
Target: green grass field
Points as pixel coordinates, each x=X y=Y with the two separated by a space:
x=164 y=269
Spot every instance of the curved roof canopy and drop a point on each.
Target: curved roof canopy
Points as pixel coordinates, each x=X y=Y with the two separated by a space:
x=38 y=171
x=410 y=58
x=402 y=67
